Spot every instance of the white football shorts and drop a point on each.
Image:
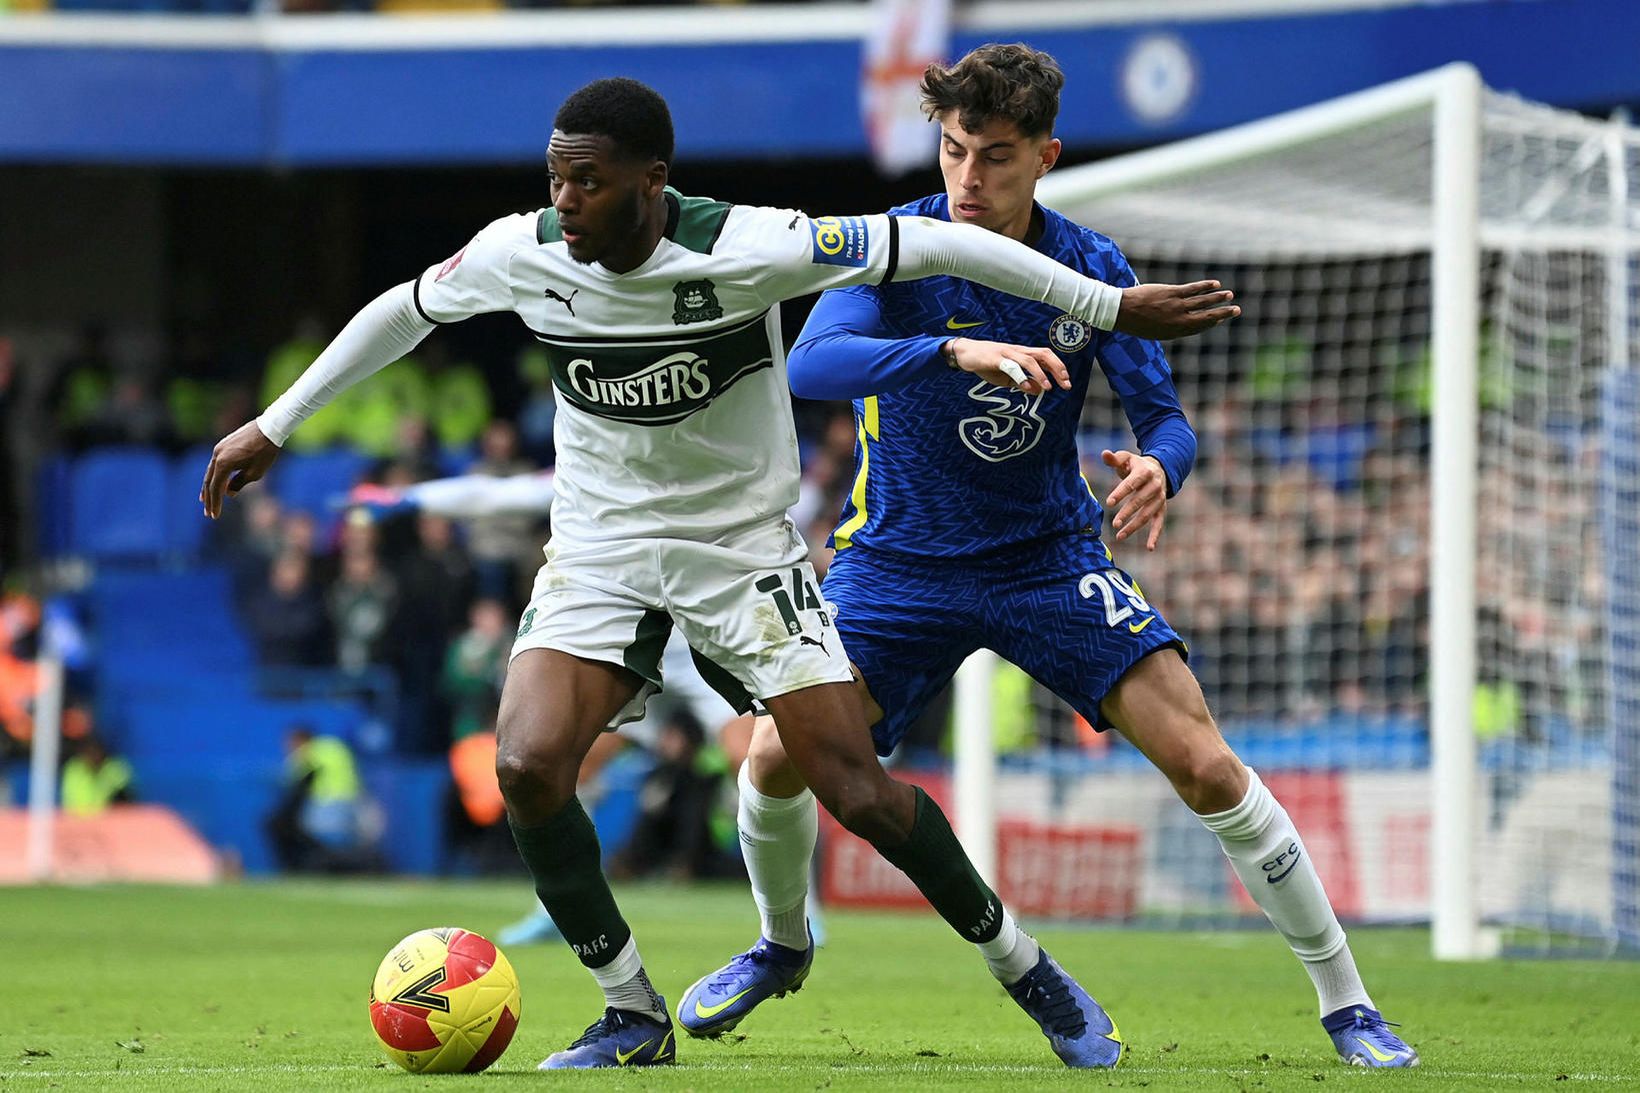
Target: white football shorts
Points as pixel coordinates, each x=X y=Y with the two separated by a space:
x=748 y=605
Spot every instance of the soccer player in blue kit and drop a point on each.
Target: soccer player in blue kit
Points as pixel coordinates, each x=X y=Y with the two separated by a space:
x=970 y=525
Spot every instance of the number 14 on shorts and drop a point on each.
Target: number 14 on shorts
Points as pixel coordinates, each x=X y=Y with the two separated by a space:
x=801 y=597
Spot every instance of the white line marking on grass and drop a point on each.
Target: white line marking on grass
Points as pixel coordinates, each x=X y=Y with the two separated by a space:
x=146 y=1071
x=762 y=1067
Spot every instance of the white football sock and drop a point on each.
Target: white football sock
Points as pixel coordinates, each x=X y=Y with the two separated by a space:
x=1337 y=983
x=626 y=985
x=777 y=837
x=1264 y=849
x=1010 y=954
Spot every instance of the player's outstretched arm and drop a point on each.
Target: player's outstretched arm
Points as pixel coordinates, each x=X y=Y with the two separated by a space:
x=383 y=331
x=930 y=248
x=465 y=497
x=845 y=351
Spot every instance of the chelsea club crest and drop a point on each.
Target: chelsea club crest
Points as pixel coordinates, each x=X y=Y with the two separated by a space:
x=1067 y=333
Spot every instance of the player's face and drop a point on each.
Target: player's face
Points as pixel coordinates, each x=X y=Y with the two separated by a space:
x=990 y=176
x=604 y=201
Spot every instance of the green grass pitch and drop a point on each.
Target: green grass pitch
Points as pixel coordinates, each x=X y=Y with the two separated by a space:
x=262 y=986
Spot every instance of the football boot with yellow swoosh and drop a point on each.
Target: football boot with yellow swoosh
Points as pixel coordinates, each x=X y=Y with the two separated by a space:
x=1363 y=1038
x=720 y=1001
x=1078 y=1028
x=618 y=1038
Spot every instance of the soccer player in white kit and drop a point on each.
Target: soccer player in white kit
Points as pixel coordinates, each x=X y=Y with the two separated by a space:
x=677 y=461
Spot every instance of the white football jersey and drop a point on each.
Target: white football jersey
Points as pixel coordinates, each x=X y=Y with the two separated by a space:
x=674 y=417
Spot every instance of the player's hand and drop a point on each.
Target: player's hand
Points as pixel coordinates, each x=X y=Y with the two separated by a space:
x=240 y=458
x=1141 y=495
x=1030 y=370
x=1174 y=311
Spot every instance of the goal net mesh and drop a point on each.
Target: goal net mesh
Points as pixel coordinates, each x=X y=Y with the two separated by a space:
x=1296 y=560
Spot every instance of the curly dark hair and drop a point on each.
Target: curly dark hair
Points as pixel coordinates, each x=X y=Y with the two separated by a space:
x=631 y=114
x=1012 y=82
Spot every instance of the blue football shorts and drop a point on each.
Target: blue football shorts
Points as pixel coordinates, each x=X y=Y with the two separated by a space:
x=1060 y=609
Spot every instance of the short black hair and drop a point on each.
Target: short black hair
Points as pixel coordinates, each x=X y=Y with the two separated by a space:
x=997 y=82
x=631 y=114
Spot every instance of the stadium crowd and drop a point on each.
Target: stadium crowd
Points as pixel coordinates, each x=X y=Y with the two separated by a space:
x=1295 y=561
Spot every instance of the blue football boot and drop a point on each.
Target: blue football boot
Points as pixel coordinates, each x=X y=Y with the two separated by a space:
x=720 y=1001
x=1363 y=1038
x=618 y=1038
x=1081 y=1033
x=532 y=929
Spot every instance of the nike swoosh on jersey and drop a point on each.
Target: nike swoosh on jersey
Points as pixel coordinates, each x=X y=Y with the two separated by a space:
x=713 y=1011
x=1134 y=628
x=952 y=324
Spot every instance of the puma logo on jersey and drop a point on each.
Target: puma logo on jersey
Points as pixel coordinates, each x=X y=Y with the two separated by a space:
x=804 y=639
x=565 y=300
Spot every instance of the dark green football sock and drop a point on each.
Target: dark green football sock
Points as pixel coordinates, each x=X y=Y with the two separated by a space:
x=939 y=867
x=562 y=855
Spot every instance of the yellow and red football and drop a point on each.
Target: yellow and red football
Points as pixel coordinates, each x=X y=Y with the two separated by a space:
x=444 y=1001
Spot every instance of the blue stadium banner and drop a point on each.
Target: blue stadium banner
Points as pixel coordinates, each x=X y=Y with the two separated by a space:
x=743 y=82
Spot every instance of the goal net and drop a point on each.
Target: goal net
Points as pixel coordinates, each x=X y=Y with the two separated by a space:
x=1408 y=559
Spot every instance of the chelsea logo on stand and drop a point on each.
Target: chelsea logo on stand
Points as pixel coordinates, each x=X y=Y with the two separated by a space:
x=1068 y=333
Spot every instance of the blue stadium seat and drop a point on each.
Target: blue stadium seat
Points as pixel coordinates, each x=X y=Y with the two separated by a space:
x=185 y=519
x=454 y=461
x=310 y=481
x=117 y=504
x=52 y=514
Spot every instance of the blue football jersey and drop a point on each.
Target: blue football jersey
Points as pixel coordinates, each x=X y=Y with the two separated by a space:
x=948 y=465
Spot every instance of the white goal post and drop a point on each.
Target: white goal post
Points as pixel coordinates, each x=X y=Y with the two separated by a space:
x=1494 y=221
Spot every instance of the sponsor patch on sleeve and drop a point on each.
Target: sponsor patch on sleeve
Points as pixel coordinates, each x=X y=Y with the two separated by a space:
x=449 y=266
x=840 y=240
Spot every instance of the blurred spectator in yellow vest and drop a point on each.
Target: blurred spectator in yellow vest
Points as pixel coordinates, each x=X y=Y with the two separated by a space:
x=459 y=398
x=320 y=823
x=93 y=779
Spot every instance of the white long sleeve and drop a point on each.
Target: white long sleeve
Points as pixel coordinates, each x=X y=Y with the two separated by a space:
x=470 y=496
x=384 y=330
x=929 y=248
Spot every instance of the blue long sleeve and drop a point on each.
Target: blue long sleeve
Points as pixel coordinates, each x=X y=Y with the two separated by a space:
x=844 y=352
x=1162 y=430
x=1138 y=372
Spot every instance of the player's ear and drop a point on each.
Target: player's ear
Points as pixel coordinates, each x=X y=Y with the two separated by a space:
x=655 y=179
x=1050 y=156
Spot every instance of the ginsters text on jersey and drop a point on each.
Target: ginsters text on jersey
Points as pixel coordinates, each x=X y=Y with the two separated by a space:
x=658 y=381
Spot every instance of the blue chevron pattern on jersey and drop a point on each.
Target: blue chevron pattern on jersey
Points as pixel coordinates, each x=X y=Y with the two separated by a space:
x=955 y=467
x=1060 y=609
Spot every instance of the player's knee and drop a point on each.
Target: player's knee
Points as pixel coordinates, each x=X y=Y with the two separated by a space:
x=867 y=810
x=536 y=779
x=766 y=754
x=1212 y=779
